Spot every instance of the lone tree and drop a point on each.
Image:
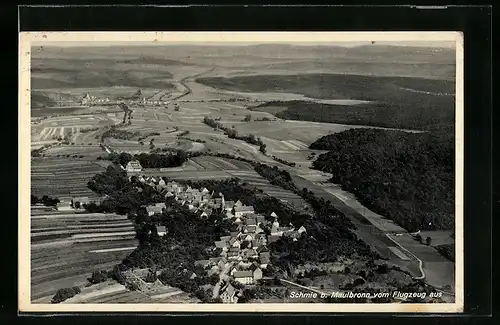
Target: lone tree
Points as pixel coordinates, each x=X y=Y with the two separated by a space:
x=428 y=241
x=418 y=238
x=247 y=118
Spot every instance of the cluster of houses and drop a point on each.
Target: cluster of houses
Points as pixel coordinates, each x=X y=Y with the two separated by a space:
x=243 y=253
x=92 y=100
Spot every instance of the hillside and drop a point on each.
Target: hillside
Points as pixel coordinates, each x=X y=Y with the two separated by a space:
x=398 y=102
x=47 y=72
x=408 y=178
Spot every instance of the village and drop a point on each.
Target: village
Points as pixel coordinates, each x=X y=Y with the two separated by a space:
x=243 y=254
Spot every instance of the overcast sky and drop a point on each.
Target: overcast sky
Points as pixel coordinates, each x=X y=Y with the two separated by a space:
x=437 y=44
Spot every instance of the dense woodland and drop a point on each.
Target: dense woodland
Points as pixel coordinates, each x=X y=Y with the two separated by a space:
x=378 y=114
x=121 y=196
x=174 y=158
x=406 y=177
x=397 y=102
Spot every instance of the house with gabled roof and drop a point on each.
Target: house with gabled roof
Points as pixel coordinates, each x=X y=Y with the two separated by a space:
x=243 y=277
x=152 y=210
x=234 y=243
x=301 y=230
x=261 y=238
x=272 y=239
x=161 y=230
x=251 y=221
x=249 y=229
x=222 y=245
x=64 y=206
x=161 y=205
x=247 y=237
x=225 y=238
x=256 y=272
x=250 y=253
x=234 y=256
x=228 y=206
x=162 y=183
x=228 y=294
x=274 y=215
x=240 y=211
x=238 y=204
x=215 y=260
x=260 y=219
x=133 y=166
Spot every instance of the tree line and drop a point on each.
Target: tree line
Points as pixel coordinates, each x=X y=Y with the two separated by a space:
x=406 y=177
x=233 y=134
x=172 y=158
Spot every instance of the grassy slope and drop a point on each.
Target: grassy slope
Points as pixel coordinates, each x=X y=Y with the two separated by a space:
x=406 y=177
x=74 y=73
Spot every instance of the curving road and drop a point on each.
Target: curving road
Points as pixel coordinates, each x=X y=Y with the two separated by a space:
x=183 y=83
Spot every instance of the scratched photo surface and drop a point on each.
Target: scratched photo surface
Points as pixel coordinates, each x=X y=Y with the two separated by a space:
x=233 y=174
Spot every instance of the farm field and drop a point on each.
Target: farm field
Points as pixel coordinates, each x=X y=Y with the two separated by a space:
x=63 y=177
x=67 y=247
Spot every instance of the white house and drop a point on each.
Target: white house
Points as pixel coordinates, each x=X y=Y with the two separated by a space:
x=161 y=230
x=151 y=210
x=64 y=206
x=301 y=230
x=133 y=166
x=243 y=277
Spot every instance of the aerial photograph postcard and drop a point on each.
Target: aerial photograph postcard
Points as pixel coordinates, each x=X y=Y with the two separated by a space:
x=241 y=171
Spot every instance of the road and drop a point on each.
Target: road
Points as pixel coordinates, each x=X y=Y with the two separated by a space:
x=183 y=83
x=222 y=277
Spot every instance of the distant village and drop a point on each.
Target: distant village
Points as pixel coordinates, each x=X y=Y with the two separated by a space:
x=89 y=100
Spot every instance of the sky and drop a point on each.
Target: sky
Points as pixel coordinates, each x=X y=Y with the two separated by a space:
x=434 y=44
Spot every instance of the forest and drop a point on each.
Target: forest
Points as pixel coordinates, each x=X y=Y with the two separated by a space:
x=401 y=116
x=406 y=177
x=121 y=196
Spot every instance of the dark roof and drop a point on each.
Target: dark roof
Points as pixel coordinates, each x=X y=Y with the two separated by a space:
x=242 y=274
x=243 y=208
x=229 y=289
x=272 y=239
x=202 y=262
x=220 y=244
